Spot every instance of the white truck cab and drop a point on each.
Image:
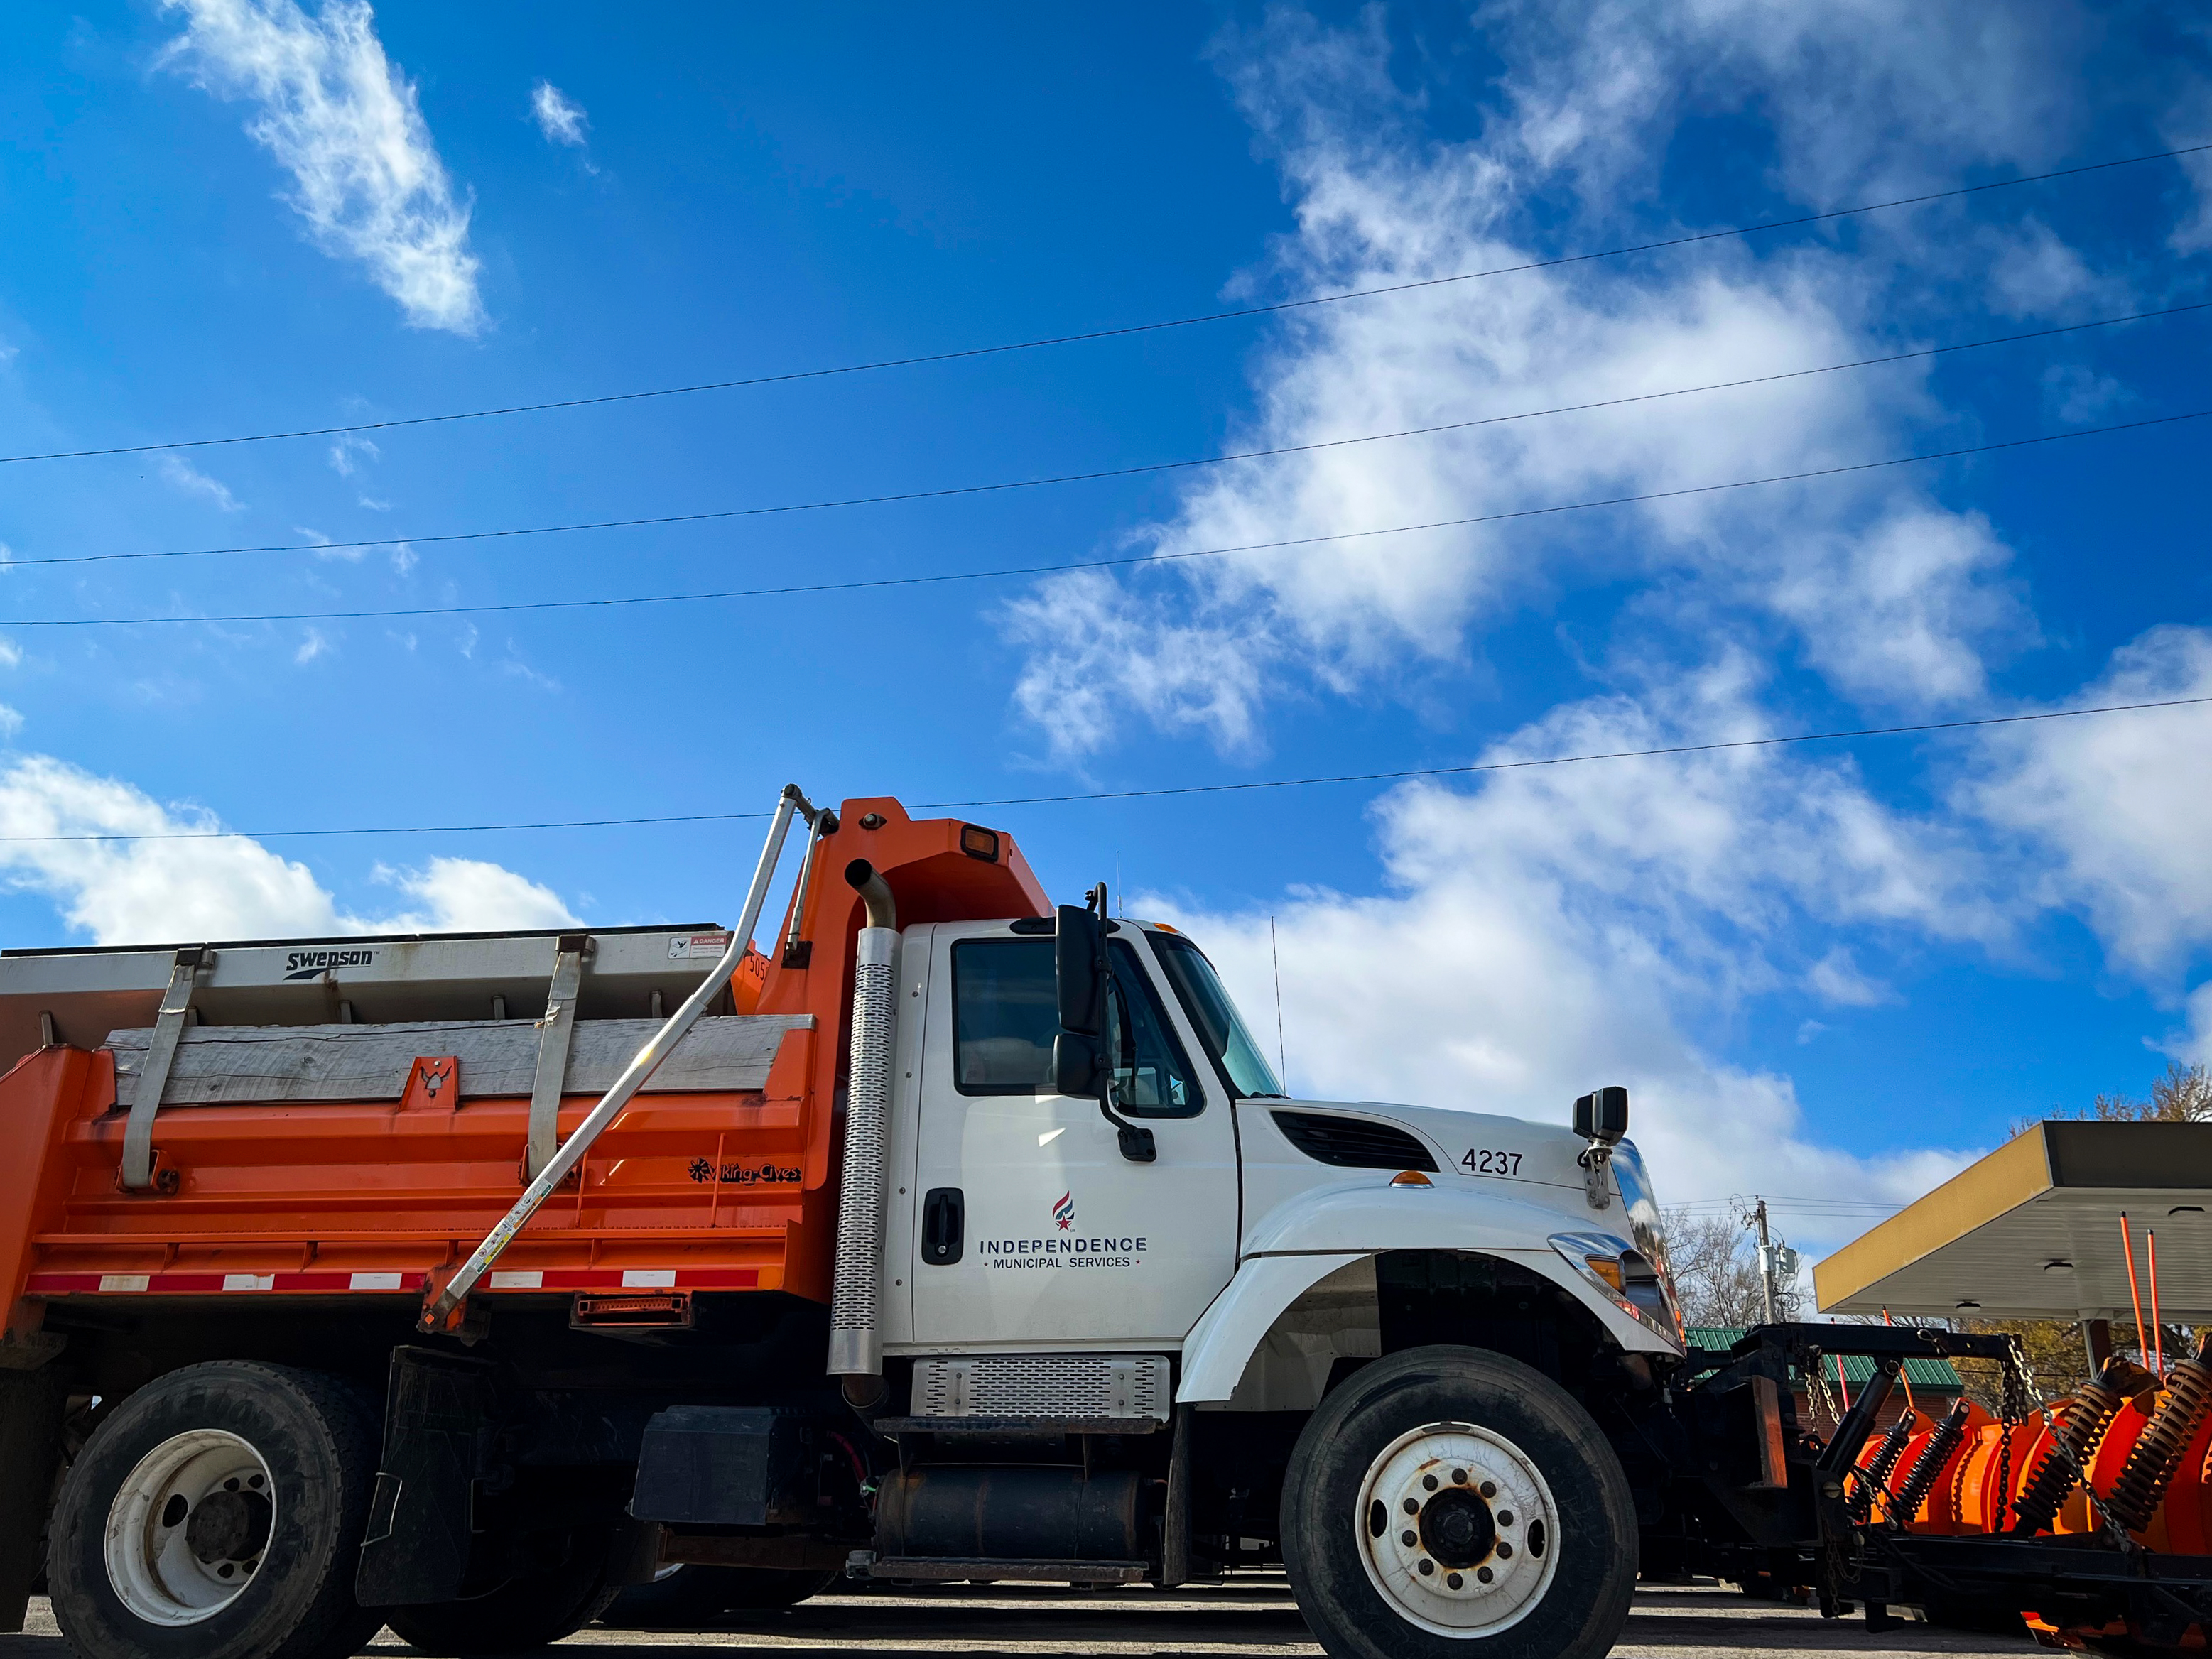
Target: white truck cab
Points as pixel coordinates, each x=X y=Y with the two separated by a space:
x=1017 y=1224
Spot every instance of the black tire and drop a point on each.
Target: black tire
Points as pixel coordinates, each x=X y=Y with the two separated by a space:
x=688 y=1596
x=561 y=1590
x=1568 y=1591
x=318 y=1446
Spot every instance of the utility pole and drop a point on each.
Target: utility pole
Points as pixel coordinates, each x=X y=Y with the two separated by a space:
x=1765 y=1261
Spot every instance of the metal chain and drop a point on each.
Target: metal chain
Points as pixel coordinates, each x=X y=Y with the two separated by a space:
x=2011 y=1412
x=1827 y=1400
x=2117 y=1533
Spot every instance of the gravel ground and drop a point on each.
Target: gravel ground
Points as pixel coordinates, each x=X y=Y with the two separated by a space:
x=1249 y=1614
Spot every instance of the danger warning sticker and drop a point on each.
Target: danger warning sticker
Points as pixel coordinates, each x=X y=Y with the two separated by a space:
x=697 y=947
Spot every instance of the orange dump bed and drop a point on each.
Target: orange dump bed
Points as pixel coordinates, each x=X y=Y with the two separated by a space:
x=726 y=1190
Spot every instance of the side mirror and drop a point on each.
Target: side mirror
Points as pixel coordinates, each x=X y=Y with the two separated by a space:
x=1077 y=1065
x=1602 y=1115
x=1079 y=965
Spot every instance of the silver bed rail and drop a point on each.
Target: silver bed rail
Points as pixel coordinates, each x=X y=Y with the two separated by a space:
x=441 y=1311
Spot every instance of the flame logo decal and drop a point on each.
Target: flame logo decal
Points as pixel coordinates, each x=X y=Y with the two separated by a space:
x=1064 y=1212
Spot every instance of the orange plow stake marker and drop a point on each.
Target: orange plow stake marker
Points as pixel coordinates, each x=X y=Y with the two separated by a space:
x=2128 y=1244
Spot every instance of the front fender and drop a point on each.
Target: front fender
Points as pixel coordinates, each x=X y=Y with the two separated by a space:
x=1300 y=1242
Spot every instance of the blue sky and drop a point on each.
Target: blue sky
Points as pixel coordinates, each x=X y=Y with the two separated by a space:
x=1828 y=971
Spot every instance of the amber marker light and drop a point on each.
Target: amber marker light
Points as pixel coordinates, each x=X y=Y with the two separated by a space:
x=1411 y=1178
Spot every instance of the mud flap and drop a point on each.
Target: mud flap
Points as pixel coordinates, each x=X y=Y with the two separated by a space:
x=441 y=1413
x=32 y=1406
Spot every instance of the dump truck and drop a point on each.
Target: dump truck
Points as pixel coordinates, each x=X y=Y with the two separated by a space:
x=464 y=1283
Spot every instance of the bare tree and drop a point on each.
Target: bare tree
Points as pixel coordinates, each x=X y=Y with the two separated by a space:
x=2181 y=1094
x=1716 y=1272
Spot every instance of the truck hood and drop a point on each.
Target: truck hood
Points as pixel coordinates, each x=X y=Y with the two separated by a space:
x=1531 y=1162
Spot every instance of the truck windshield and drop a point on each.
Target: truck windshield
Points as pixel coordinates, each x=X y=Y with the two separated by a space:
x=1219 y=1026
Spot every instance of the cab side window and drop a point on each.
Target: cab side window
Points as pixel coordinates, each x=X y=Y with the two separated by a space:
x=1151 y=1078
x=1006 y=1011
x=1006 y=1014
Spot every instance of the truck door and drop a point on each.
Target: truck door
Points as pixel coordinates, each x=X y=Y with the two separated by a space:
x=1031 y=1228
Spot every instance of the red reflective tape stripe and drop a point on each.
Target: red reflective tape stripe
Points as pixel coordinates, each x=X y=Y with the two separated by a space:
x=330 y=1281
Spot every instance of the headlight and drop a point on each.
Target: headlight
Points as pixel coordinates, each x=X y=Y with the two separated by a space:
x=1625 y=1275
x=1645 y=1225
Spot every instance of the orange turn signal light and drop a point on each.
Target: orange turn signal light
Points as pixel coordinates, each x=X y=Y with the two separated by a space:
x=1608 y=1268
x=1411 y=1178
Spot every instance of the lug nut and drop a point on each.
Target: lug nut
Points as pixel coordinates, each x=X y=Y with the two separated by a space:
x=1485 y=1574
x=1427 y=1567
x=1505 y=1517
x=1459 y=1477
x=1413 y=1507
x=1453 y=1581
x=1409 y=1538
x=1505 y=1550
x=1490 y=1489
x=1429 y=1482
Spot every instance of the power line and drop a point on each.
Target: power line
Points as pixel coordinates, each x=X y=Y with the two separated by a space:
x=860 y=585
x=1467 y=770
x=1118 y=332
x=1001 y=486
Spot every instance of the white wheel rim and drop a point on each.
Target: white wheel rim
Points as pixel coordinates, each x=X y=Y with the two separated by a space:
x=1470 y=1536
x=186 y=1532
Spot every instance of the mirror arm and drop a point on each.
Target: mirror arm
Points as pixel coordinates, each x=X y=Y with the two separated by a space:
x=1136 y=1142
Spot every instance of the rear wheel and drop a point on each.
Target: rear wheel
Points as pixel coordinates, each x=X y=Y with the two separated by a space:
x=217 y=1514
x=560 y=1588
x=1449 y=1501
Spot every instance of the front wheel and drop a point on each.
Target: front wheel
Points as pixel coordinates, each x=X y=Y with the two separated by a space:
x=1447 y=1501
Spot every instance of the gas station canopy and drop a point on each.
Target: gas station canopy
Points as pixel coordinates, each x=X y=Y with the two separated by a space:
x=2033 y=1231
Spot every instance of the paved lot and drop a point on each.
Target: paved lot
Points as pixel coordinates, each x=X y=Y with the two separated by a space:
x=1251 y=1613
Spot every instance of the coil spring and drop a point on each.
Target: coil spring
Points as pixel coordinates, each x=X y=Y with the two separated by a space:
x=1882 y=1464
x=2156 y=1455
x=1929 y=1464
x=2080 y=1424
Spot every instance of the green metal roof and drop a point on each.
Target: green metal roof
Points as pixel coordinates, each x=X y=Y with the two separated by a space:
x=1930 y=1373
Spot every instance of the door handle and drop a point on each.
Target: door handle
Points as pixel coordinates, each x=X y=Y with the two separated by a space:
x=944 y=1226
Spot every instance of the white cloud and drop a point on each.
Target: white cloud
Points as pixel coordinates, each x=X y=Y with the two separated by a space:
x=515 y=668
x=2035 y=274
x=561 y=120
x=403 y=559
x=344 y=451
x=2115 y=816
x=2077 y=395
x=1836 y=978
x=193 y=482
x=336 y=114
x=2194 y=1048
x=11 y=654
x=140 y=890
x=1892 y=596
x=11 y=720
x=1550 y=930
x=469 y=895
x=313 y=646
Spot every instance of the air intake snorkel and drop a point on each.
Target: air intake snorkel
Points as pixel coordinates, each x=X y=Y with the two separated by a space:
x=856 y=1345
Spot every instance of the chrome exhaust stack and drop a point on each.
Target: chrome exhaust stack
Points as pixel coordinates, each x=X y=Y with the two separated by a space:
x=856 y=1344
